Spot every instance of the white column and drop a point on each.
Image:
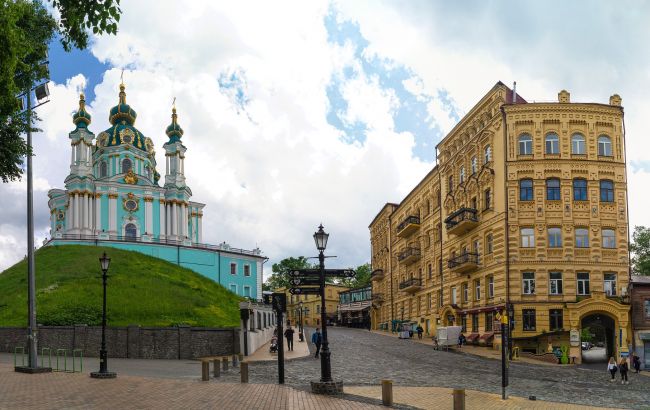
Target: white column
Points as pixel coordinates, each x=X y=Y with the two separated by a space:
x=75 y=198
x=148 y=216
x=183 y=220
x=163 y=230
x=110 y=166
x=182 y=166
x=91 y=214
x=98 y=214
x=84 y=211
x=68 y=215
x=72 y=155
x=199 y=221
x=112 y=214
x=174 y=219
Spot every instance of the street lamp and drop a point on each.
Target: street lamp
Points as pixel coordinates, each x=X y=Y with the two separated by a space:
x=103 y=372
x=300 y=331
x=320 y=238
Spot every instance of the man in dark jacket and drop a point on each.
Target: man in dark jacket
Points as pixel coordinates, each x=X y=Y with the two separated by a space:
x=289 y=335
x=317 y=339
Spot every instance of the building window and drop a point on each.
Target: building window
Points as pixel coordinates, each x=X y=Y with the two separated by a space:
x=579 y=189
x=465 y=292
x=489 y=247
x=554 y=237
x=490 y=281
x=527 y=237
x=440 y=301
x=606 y=191
x=474 y=165
x=453 y=295
x=233 y=268
x=578 y=144
x=103 y=169
x=233 y=288
x=489 y=321
x=528 y=319
x=475 y=323
x=609 y=238
x=247 y=291
x=528 y=283
x=582 y=238
x=583 y=283
x=526 y=190
x=555 y=319
x=525 y=144
x=610 y=284
x=553 y=189
x=463 y=323
x=646 y=308
x=555 y=283
x=487 y=154
x=126 y=165
x=477 y=289
x=552 y=144
x=429 y=301
x=475 y=246
x=488 y=199
x=450 y=184
x=130 y=231
x=604 y=146
x=430 y=268
x=247 y=270
x=318 y=309
x=462 y=174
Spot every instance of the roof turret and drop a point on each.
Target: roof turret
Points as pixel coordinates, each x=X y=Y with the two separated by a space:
x=81 y=118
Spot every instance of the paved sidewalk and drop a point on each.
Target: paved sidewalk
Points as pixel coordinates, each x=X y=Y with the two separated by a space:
x=441 y=398
x=300 y=349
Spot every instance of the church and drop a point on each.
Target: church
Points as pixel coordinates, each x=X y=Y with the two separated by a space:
x=113 y=197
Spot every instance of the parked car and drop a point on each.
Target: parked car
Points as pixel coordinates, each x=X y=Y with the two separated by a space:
x=586 y=345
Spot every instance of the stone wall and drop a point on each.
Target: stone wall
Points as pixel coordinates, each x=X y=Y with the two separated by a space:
x=134 y=342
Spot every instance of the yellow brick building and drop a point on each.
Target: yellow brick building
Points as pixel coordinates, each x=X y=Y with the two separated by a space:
x=311 y=305
x=527 y=209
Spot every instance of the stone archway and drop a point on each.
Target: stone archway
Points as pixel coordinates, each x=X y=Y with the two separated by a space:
x=448 y=317
x=601 y=329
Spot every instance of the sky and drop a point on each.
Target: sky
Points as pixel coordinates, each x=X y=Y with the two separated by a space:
x=301 y=113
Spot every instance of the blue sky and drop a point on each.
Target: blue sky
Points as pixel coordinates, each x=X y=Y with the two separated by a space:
x=64 y=65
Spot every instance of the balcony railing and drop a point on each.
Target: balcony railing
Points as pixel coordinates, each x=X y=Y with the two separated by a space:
x=409 y=255
x=461 y=221
x=377 y=274
x=411 y=285
x=408 y=226
x=463 y=263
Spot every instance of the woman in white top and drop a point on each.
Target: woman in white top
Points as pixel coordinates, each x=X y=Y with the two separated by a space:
x=611 y=367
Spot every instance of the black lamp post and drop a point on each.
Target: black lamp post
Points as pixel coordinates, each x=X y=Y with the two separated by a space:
x=320 y=237
x=103 y=372
x=300 y=331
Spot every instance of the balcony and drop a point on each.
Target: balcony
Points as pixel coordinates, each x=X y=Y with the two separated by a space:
x=409 y=255
x=411 y=285
x=408 y=226
x=464 y=263
x=461 y=221
x=377 y=274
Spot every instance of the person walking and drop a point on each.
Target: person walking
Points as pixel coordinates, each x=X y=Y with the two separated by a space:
x=623 y=367
x=419 y=330
x=317 y=339
x=636 y=363
x=289 y=335
x=611 y=367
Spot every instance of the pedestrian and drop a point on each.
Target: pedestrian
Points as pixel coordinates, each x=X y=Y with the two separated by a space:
x=461 y=340
x=623 y=367
x=289 y=335
x=611 y=367
x=317 y=339
x=419 y=330
x=636 y=363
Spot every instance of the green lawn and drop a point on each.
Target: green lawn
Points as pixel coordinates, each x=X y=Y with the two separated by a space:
x=142 y=290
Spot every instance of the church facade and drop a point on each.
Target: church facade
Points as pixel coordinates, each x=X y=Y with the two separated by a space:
x=113 y=197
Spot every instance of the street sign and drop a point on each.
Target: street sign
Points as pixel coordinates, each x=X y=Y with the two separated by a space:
x=304 y=280
x=348 y=273
x=279 y=303
x=304 y=291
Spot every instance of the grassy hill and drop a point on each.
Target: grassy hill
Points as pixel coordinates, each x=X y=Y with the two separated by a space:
x=141 y=290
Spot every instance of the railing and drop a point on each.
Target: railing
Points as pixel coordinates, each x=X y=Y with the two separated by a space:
x=410 y=282
x=461 y=215
x=408 y=252
x=119 y=238
x=409 y=220
x=467 y=257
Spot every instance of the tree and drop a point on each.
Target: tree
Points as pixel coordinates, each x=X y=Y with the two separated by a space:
x=26 y=29
x=640 y=248
x=280 y=276
x=361 y=279
x=585 y=335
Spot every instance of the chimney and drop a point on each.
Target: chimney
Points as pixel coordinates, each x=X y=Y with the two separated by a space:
x=514 y=92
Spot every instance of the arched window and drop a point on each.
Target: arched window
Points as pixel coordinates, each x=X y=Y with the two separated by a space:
x=579 y=189
x=552 y=143
x=604 y=146
x=578 y=144
x=103 y=169
x=606 y=191
x=525 y=144
x=553 y=189
x=438 y=199
x=474 y=165
x=487 y=154
x=462 y=174
x=126 y=165
x=526 y=190
x=130 y=231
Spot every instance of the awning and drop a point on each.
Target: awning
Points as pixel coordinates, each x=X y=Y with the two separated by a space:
x=487 y=336
x=471 y=337
x=644 y=336
x=355 y=307
x=481 y=310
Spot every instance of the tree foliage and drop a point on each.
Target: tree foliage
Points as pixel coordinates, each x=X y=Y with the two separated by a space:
x=361 y=279
x=26 y=29
x=280 y=276
x=640 y=248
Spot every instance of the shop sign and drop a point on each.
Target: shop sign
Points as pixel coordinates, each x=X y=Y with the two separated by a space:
x=574 y=337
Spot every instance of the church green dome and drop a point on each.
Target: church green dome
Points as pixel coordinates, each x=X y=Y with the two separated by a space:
x=122 y=116
x=122 y=111
x=174 y=131
x=81 y=118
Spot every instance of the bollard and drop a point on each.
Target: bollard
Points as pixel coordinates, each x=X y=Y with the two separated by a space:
x=459 y=399
x=387 y=392
x=205 y=371
x=234 y=360
x=217 y=367
x=243 y=371
x=224 y=362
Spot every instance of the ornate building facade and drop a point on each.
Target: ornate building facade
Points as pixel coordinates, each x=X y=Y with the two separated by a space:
x=524 y=214
x=112 y=197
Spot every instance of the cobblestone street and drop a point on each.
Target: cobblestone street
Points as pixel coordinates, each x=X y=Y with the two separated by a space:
x=363 y=358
